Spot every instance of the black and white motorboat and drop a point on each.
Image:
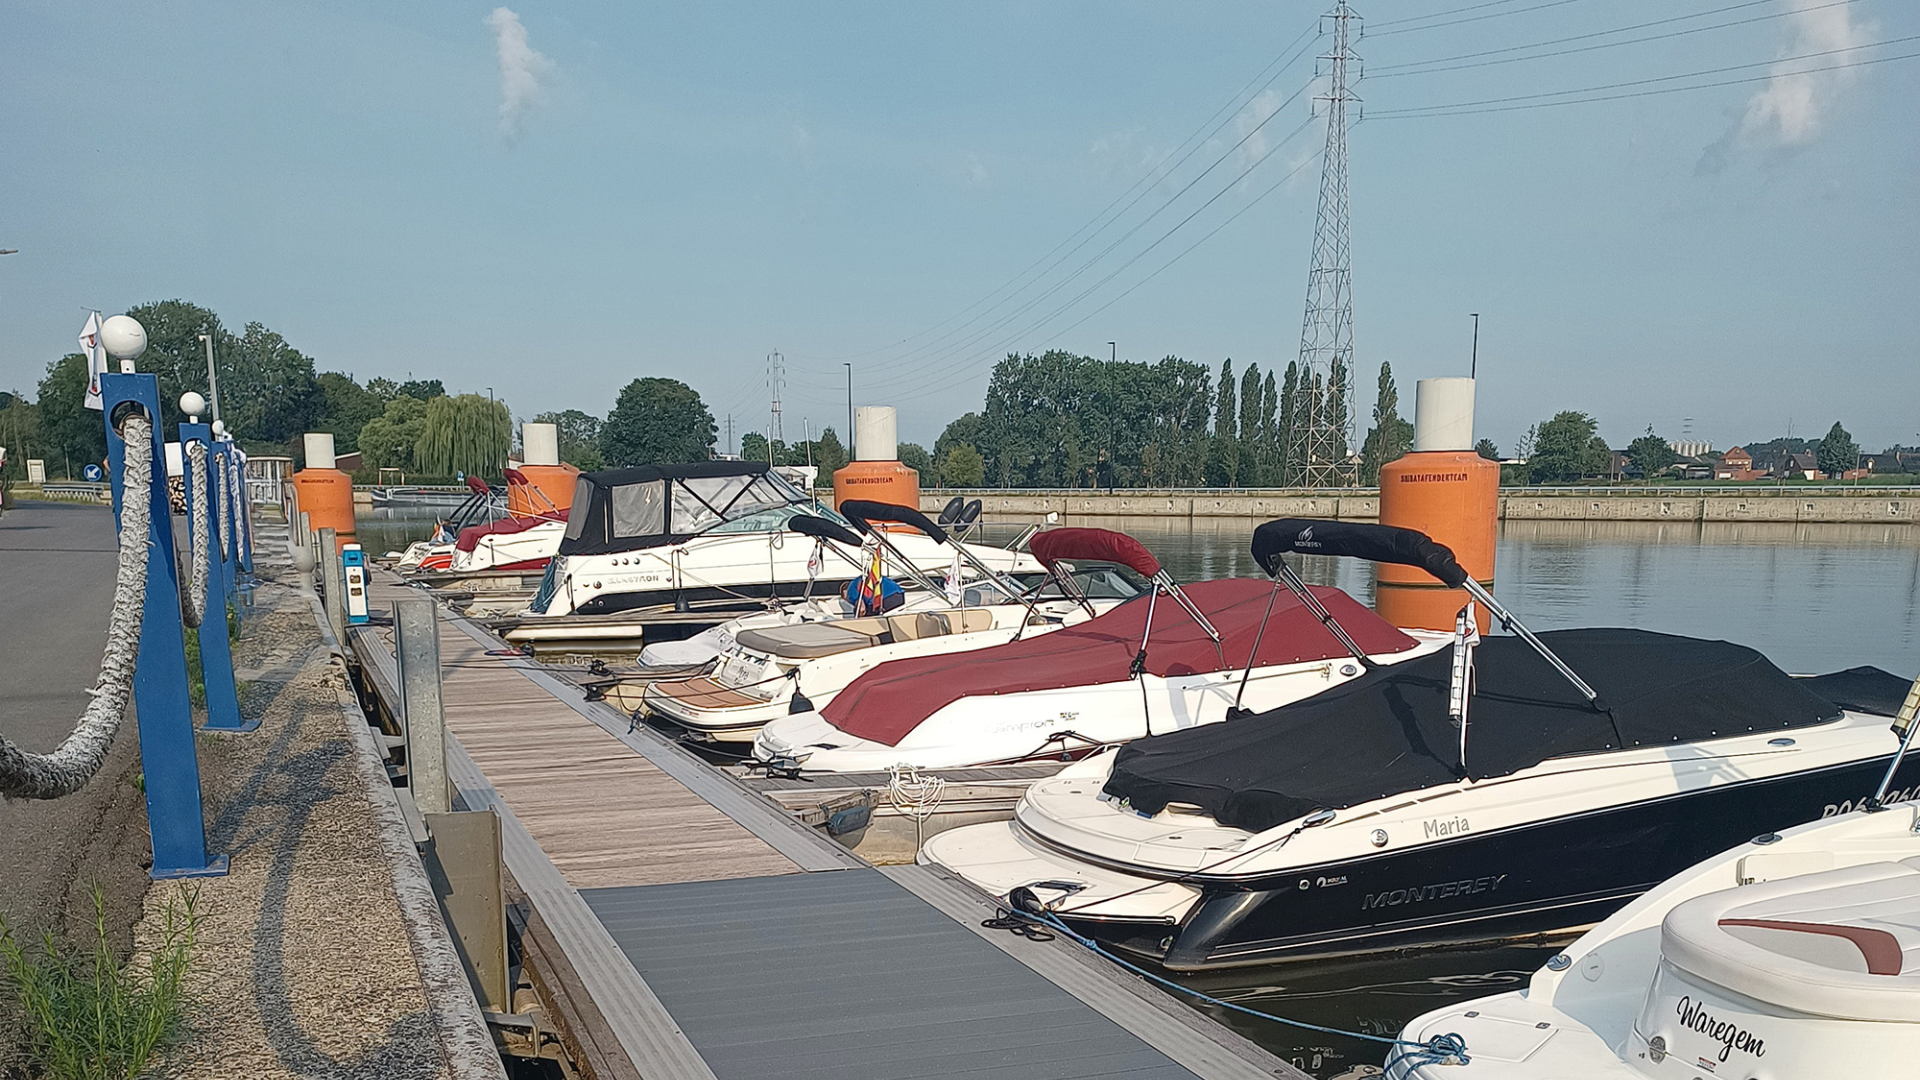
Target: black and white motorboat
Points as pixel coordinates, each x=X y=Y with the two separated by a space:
x=1507 y=786
x=708 y=532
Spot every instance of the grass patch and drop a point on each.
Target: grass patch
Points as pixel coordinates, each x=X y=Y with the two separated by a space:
x=86 y=1017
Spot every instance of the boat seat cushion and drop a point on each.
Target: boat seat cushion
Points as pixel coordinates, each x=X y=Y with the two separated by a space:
x=1841 y=943
x=805 y=641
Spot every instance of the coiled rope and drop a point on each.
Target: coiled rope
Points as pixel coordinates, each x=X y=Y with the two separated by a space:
x=226 y=513
x=916 y=795
x=49 y=776
x=193 y=599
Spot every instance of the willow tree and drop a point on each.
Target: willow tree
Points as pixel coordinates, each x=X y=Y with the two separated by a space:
x=466 y=434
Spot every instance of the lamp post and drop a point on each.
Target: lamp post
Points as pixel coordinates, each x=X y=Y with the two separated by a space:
x=213 y=381
x=849 y=366
x=1473 y=365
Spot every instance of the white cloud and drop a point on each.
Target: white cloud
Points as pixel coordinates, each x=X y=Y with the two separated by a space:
x=976 y=171
x=1249 y=125
x=524 y=72
x=1787 y=110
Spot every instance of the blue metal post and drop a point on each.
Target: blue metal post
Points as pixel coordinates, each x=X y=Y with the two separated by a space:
x=170 y=770
x=216 y=651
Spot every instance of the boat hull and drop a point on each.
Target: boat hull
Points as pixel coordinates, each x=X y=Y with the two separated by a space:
x=1553 y=876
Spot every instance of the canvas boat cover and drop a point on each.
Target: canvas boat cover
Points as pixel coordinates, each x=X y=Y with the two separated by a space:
x=1095 y=545
x=471 y=536
x=1388 y=731
x=653 y=505
x=891 y=700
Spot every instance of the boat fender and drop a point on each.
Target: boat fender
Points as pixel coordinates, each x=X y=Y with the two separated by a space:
x=1210 y=922
x=1024 y=899
x=798 y=703
x=842 y=822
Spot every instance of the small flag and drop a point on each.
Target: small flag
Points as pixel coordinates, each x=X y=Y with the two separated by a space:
x=955 y=591
x=869 y=601
x=814 y=562
x=96 y=355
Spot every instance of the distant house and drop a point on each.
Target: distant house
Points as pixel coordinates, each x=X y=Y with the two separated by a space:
x=1737 y=465
x=1805 y=465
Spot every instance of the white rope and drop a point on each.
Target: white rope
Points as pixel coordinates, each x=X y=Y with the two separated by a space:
x=193 y=599
x=49 y=776
x=915 y=796
x=226 y=512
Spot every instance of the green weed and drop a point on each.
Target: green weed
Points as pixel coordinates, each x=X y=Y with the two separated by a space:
x=86 y=1017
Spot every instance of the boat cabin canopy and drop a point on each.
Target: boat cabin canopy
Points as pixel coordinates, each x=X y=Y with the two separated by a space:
x=1388 y=732
x=1093 y=545
x=652 y=505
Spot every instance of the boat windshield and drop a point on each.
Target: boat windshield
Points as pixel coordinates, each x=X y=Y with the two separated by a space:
x=1097 y=583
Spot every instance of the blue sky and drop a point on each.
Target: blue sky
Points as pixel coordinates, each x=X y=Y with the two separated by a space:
x=654 y=189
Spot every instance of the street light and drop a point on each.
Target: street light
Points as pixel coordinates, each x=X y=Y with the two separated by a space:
x=213 y=381
x=125 y=339
x=1473 y=365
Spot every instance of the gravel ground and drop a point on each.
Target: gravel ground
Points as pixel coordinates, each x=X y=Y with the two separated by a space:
x=303 y=966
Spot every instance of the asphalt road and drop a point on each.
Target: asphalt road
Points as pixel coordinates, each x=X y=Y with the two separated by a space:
x=56 y=581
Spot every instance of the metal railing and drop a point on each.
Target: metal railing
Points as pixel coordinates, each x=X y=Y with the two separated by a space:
x=1753 y=490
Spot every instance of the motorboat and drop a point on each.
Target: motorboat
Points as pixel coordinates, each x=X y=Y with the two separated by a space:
x=1140 y=669
x=708 y=532
x=1794 y=954
x=772 y=671
x=481 y=506
x=1516 y=785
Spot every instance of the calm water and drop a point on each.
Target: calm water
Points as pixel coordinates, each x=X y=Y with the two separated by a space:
x=1814 y=598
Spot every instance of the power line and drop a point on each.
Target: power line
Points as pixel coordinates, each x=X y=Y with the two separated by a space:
x=971 y=362
x=1443 y=14
x=1394 y=71
x=1143 y=185
x=1470 y=18
x=1417 y=114
x=1095 y=260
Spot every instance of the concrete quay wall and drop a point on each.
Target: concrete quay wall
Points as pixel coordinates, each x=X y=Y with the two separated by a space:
x=1897 y=507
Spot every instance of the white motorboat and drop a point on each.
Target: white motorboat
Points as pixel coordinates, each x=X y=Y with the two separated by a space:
x=771 y=672
x=712 y=531
x=1796 y=954
x=1139 y=669
x=1516 y=785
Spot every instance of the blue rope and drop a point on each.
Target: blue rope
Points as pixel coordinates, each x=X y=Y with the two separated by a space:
x=1447 y=1049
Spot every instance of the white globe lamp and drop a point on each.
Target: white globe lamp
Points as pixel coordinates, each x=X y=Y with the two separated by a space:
x=193 y=405
x=219 y=429
x=124 y=339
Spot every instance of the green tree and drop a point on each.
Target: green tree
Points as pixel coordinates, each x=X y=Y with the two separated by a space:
x=962 y=466
x=1288 y=472
x=914 y=456
x=1837 y=452
x=74 y=434
x=1564 y=449
x=387 y=440
x=466 y=434
x=579 y=437
x=1650 y=454
x=753 y=447
x=1486 y=449
x=1223 y=452
x=270 y=394
x=346 y=407
x=424 y=389
x=1390 y=437
x=828 y=453
x=657 y=421
x=19 y=433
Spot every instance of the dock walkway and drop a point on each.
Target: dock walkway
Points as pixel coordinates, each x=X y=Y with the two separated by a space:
x=694 y=929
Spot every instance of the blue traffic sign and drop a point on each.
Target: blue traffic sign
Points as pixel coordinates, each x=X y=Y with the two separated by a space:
x=92 y=472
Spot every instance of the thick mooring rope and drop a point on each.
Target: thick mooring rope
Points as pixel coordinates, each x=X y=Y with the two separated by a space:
x=227 y=507
x=193 y=599
x=49 y=776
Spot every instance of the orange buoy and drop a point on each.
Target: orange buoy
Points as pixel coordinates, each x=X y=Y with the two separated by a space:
x=325 y=493
x=1446 y=490
x=548 y=484
x=876 y=472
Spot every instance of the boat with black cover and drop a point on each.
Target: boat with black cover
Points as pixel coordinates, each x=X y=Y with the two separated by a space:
x=1515 y=785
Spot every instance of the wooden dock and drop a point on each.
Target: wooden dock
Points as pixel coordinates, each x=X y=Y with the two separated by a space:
x=685 y=925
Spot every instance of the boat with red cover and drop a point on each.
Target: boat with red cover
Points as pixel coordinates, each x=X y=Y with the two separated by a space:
x=1143 y=668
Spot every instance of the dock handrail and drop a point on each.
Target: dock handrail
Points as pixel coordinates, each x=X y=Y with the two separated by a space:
x=26 y=775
